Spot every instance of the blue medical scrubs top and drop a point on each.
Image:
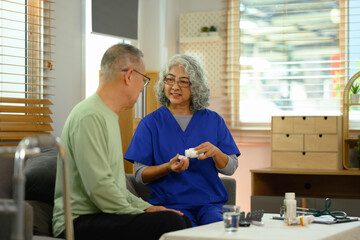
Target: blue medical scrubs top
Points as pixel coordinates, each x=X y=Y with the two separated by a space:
x=158 y=138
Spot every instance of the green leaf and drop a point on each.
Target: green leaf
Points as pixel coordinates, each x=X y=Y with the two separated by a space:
x=355 y=88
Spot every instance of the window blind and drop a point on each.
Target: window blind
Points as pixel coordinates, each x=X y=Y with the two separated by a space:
x=295 y=58
x=231 y=62
x=25 y=65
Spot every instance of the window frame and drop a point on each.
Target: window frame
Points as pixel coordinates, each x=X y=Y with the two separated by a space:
x=233 y=80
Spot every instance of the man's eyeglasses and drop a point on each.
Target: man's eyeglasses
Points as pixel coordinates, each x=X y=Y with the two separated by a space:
x=183 y=82
x=146 y=78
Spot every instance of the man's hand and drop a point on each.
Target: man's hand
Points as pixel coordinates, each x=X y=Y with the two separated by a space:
x=161 y=208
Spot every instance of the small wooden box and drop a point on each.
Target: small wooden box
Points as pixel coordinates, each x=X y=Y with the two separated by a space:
x=306 y=142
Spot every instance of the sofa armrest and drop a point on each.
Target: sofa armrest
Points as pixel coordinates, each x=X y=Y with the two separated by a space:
x=230 y=185
x=138 y=189
x=7 y=216
x=40 y=173
x=142 y=191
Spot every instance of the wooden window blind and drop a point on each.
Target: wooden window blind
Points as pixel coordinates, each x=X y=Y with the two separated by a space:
x=295 y=58
x=25 y=66
x=232 y=61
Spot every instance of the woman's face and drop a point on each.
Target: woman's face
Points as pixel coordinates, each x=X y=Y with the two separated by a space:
x=178 y=96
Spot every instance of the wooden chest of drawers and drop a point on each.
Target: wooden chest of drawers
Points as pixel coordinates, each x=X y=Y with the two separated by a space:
x=309 y=142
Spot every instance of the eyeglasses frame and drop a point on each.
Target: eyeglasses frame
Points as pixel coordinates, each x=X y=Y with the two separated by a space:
x=176 y=82
x=146 y=82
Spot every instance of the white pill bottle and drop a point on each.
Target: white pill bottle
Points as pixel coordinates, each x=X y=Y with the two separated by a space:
x=290 y=207
x=191 y=153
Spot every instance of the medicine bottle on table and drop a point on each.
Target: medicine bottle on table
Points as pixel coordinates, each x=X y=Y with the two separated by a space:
x=302 y=220
x=290 y=206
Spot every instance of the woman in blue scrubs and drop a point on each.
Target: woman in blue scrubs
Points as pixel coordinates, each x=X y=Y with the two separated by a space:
x=191 y=186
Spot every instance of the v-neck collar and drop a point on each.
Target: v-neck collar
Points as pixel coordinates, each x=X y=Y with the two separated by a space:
x=176 y=124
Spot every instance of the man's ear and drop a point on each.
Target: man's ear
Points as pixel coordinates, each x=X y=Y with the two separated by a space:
x=127 y=76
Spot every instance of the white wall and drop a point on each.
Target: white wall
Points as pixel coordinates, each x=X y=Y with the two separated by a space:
x=159 y=26
x=68 y=56
x=151 y=27
x=252 y=157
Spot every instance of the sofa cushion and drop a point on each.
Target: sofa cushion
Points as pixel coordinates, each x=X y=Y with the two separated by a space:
x=42 y=218
x=40 y=172
x=6 y=176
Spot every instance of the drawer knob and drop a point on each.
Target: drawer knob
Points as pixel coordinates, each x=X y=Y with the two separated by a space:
x=287 y=135
x=304 y=118
x=304 y=153
x=320 y=135
x=325 y=118
x=307 y=186
x=282 y=118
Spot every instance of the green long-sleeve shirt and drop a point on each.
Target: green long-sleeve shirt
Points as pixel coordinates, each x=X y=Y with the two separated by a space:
x=91 y=136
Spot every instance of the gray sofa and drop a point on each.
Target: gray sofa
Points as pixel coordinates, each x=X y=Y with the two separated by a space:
x=40 y=174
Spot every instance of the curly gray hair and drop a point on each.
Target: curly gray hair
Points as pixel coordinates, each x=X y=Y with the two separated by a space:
x=200 y=92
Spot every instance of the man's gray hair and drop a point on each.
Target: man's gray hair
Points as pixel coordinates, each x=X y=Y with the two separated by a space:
x=118 y=57
x=200 y=92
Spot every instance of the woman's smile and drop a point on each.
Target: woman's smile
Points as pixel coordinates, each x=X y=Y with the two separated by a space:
x=175 y=94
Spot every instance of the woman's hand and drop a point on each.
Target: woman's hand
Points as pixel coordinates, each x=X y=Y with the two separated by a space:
x=178 y=165
x=153 y=173
x=161 y=208
x=210 y=150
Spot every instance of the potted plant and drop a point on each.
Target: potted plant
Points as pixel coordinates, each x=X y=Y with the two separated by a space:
x=204 y=31
x=354 y=91
x=213 y=31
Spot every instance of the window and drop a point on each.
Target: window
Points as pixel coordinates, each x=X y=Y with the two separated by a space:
x=96 y=45
x=295 y=57
x=25 y=64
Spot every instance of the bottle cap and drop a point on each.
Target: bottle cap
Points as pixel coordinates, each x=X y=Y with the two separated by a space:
x=311 y=218
x=290 y=195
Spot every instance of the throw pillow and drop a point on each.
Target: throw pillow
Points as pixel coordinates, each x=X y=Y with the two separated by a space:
x=40 y=172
